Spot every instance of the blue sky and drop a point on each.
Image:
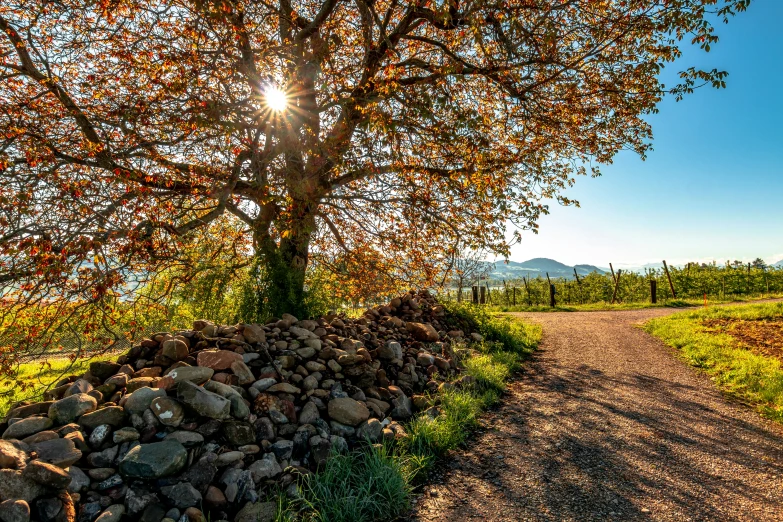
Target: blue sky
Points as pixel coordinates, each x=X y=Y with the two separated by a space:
x=712 y=188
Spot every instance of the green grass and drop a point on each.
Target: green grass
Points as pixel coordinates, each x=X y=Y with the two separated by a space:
x=32 y=379
x=603 y=306
x=375 y=483
x=752 y=378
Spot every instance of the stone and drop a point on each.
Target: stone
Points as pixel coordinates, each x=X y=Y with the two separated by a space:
x=257 y=512
x=264 y=384
x=79 y=480
x=125 y=435
x=89 y=511
x=101 y=474
x=47 y=509
x=193 y=374
x=26 y=427
x=141 y=399
x=238 y=433
x=114 y=416
x=265 y=468
x=46 y=474
x=182 y=495
x=112 y=513
x=188 y=439
x=402 y=408
x=14 y=486
x=14 y=511
x=202 y=473
x=78 y=386
x=309 y=413
x=241 y=370
x=175 y=349
x=13 y=454
x=37 y=408
x=203 y=402
x=342 y=430
x=192 y=515
x=283 y=449
x=102 y=370
x=214 y=497
x=168 y=411
x=424 y=332
x=100 y=435
x=371 y=430
x=284 y=387
x=111 y=482
x=348 y=411
x=390 y=351
x=138 y=383
x=120 y=380
x=103 y=459
x=217 y=359
x=229 y=457
x=71 y=408
x=60 y=452
x=239 y=407
x=150 y=461
x=254 y=334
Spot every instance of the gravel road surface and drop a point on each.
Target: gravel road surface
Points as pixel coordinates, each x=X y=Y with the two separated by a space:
x=606 y=424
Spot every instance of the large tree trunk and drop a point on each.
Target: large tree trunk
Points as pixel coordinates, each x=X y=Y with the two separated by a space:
x=284 y=266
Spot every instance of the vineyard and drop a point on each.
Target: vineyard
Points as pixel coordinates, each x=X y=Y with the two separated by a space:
x=692 y=282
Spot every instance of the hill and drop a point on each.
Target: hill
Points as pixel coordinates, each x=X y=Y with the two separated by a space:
x=539 y=266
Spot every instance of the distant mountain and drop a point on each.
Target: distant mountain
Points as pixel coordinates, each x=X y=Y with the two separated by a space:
x=539 y=266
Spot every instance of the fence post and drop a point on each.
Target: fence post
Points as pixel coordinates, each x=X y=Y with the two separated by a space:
x=669 y=277
x=551 y=295
x=514 y=291
x=483 y=295
x=475 y=294
x=653 y=291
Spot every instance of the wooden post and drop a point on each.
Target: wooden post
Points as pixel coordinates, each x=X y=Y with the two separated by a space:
x=616 y=284
x=747 y=290
x=614 y=279
x=514 y=291
x=579 y=283
x=489 y=292
x=653 y=291
x=527 y=290
x=669 y=277
x=551 y=294
x=482 y=295
x=475 y=294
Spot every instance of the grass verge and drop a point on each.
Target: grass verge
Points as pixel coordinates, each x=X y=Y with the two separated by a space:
x=32 y=378
x=752 y=378
x=376 y=483
x=603 y=306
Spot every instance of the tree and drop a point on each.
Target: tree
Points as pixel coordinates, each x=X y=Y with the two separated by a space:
x=759 y=263
x=468 y=266
x=384 y=129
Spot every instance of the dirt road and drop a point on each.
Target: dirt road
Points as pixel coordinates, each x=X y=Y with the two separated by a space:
x=606 y=424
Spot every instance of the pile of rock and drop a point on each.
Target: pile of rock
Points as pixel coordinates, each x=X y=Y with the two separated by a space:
x=204 y=421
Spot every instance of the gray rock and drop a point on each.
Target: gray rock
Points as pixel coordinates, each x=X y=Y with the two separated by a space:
x=257 y=512
x=402 y=408
x=391 y=350
x=47 y=509
x=238 y=433
x=46 y=474
x=188 y=439
x=264 y=384
x=112 y=513
x=13 y=485
x=265 y=468
x=282 y=449
x=192 y=374
x=103 y=459
x=114 y=416
x=175 y=349
x=348 y=411
x=79 y=480
x=371 y=430
x=89 y=511
x=60 y=452
x=182 y=495
x=168 y=411
x=104 y=369
x=342 y=430
x=26 y=427
x=71 y=408
x=141 y=399
x=14 y=511
x=110 y=482
x=159 y=459
x=125 y=435
x=79 y=386
x=309 y=413
x=100 y=435
x=203 y=402
x=13 y=454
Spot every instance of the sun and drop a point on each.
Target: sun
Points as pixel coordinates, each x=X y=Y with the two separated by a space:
x=276 y=99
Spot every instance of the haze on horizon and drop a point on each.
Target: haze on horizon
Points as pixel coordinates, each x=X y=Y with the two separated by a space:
x=712 y=188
